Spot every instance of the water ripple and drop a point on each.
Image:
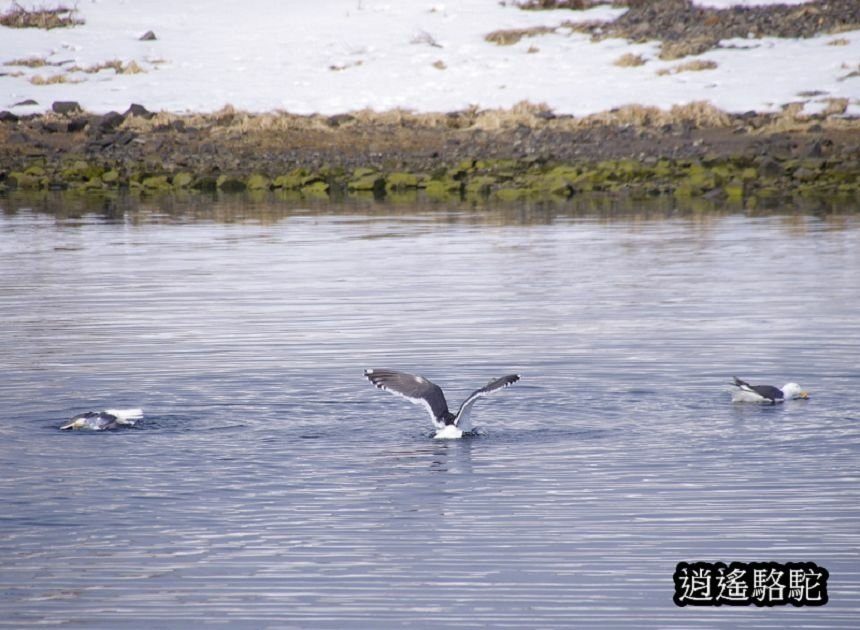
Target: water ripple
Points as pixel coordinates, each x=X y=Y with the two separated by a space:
x=269 y=486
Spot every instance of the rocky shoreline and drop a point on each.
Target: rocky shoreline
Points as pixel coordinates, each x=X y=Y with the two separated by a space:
x=692 y=152
x=526 y=153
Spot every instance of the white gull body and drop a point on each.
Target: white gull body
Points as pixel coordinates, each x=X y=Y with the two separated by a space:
x=106 y=420
x=744 y=392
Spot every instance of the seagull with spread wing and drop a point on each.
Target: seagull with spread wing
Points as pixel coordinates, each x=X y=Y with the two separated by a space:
x=420 y=391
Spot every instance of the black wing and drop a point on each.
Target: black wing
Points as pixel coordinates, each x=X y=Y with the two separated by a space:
x=416 y=389
x=486 y=390
x=765 y=391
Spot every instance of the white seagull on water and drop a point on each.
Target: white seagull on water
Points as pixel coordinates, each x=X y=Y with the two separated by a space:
x=420 y=391
x=106 y=420
x=744 y=392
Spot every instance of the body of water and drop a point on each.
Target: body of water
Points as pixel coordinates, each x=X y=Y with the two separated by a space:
x=271 y=486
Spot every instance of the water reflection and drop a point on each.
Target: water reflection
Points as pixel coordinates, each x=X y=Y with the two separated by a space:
x=78 y=209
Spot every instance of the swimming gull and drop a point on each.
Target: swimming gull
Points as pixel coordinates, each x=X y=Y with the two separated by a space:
x=106 y=420
x=420 y=391
x=744 y=392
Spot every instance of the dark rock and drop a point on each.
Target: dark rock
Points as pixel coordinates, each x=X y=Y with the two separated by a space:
x=7 y=116
x=140 y=111
x=77 y=124
x=812 y=151
x=339 y=119
x=768 y=167
x=110 y=121
x=53 y=126
x=804 y=174
x=25 y=103
x=148 y=36
x=66 y=108
x=124 y=138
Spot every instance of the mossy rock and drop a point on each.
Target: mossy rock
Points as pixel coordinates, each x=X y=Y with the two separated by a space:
x=316 y=188
x=768 y=192
x=723 y=173
x=508 y=195
x=363 y=172
x=559 y=186
x=401 y=181
x=629 y=169
x=80 y=170
x=664 y=168
x=444 y=189
x=156 y=183
x=230 y=183
x=110 y=177
x=24 y=181
x=371 y=181
x=481 y=185
x=466 y=165
x=735 y=189
x=183 y=179
x=258 y=182
x=205 y=183
x=294 y=180
x=749 y=174
x=35 y=170
x=703 y=182
x=804 y=174
x=685 y=191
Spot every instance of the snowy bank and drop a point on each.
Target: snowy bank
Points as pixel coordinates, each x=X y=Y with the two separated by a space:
x=344 y=55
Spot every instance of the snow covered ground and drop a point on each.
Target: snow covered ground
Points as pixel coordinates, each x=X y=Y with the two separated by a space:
x=335 y=56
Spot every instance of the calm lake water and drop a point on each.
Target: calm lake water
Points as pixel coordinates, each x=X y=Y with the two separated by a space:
x=271 y=486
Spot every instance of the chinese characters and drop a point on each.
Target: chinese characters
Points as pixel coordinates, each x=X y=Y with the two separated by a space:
x=742 y=584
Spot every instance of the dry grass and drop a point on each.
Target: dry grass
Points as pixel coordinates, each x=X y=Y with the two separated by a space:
x=699 y=113
x=670 y=51
x=840 y=41
x=53 y=79
x=29 y=62
x=691 y=66
x=60 y=16
x=629 y=60
x=229 y=123
x=524 y=113
x=131 y=67
x=835 y=106
x=855 y=72
x=439 y=64
x=543 y=5
x=509 y=37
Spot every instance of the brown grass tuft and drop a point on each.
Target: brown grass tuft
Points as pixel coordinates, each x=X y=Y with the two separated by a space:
x=700 y=113
x=691 y=66
x=670 y=51
x=835 y=106
x=629 y=60
x=60 y=16
x=509 y=37
x=51 y=80
x=29 y=62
